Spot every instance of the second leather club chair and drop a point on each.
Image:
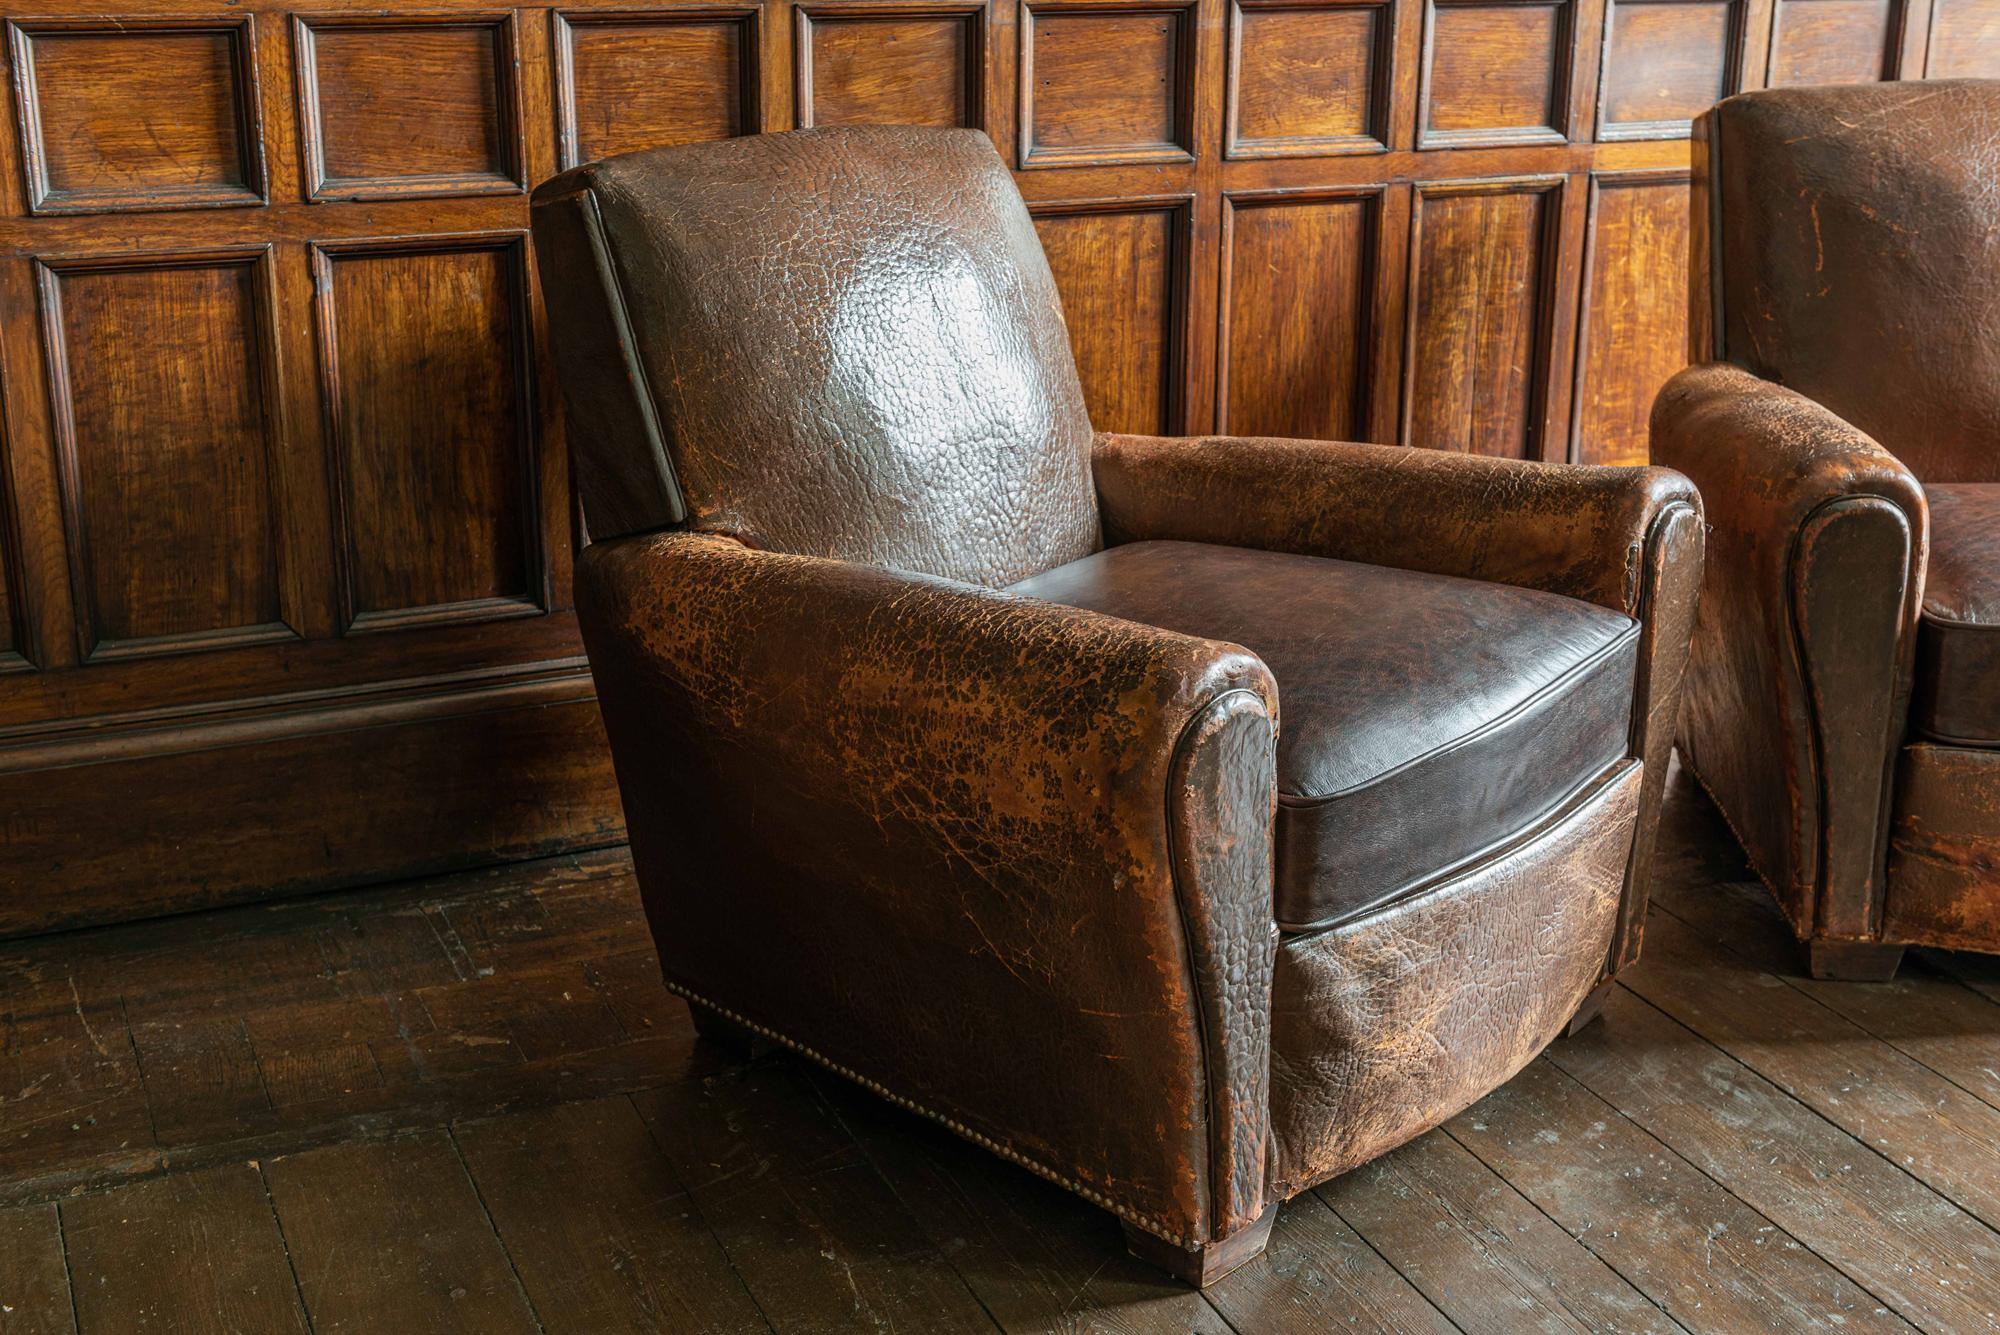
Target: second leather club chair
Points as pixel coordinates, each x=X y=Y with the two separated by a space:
x=1844 y=697
x=949 y=732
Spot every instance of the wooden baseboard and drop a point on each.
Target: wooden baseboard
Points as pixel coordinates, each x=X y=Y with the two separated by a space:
x=314 y=800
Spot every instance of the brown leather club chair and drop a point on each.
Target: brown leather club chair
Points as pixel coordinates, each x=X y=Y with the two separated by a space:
x=1844 y=696
x=942 y=762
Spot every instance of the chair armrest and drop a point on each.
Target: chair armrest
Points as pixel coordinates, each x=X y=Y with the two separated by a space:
x=1026 y=847
x=1569 y=529
x=1625 y=538
x=1800 y=684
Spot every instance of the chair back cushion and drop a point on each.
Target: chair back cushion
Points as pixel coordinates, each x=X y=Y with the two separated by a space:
x=1855 y=257
x=839 y=342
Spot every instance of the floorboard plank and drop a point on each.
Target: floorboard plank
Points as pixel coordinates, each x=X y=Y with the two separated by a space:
x=1480 y=1251
x=602 y=1234
x=34 y=1280
x=1706 y=1258
x=193 y=1252
x=1911 y=1248
x=389 y=1235
x=1036 y=1256
x=818 y=1236
x=1319 y=1277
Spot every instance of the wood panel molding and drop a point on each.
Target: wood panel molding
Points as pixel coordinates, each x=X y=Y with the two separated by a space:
x=427 y=383
x=1106 y=82
x=402 y=106
x=1308 y=79
x=163 y=368
x=641 y=78
x=1834 y=41
x=1632 y=322
x=1664 y=62
x=1496 y=73
x=138 y=113
x=861 y=61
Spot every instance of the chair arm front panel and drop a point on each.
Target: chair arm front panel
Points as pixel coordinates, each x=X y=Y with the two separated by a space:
x=1799 y=681
x=1005 y=861
x=1625 y=538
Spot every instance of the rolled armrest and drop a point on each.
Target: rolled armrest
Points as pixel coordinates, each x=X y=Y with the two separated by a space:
x=1569 y=529
x=1024 y=847
x=1799 y=687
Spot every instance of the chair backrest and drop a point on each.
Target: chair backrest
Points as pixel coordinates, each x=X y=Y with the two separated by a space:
x=836 y=342
x=1852 y=253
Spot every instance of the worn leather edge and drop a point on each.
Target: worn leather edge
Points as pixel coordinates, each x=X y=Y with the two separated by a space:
x=1220 y=813
x=1944 y=849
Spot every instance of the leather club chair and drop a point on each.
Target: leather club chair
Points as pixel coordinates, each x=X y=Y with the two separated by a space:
x=1844 y=695
x=948 y=731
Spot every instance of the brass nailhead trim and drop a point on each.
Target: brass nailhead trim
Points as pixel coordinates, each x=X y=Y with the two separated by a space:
x=1126 y=1213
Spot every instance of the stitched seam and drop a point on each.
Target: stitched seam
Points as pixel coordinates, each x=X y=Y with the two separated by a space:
x=621 y=318
x=1125 y=1212
x=1513 y=715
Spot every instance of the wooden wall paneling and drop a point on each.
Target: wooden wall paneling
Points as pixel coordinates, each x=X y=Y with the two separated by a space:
x=1496 y=72
x=643 y=78
x=1295 y=351
x=1664 y=63
x=1122 y=268
x=427 y=369
x=1483 y=285
x=860 y=61
x=1834 y=41
x=1308 y=79
x=395 y=107
x=1960 y=40
x=159 y=114
x=1632 y=327
x=163 y=372
x=1103 y=82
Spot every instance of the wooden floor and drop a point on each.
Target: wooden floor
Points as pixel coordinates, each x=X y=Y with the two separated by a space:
x=469 y=1105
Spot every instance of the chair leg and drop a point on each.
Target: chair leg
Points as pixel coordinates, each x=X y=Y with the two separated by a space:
x=740 y=1043
x=1202 y=1266
x=1592 y=1007
x=1854 y=961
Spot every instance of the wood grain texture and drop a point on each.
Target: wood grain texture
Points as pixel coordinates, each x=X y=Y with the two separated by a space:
x=1128 y=266
x=34 y=1275
x=1964 y=40
x=1103 y=85
x=193 y=1252
x=1633 y=331
x=1833 y=41
x=1496 y=73
x=891 y=65
x=1308 y=80
x=637 y=79
x=1666 y=62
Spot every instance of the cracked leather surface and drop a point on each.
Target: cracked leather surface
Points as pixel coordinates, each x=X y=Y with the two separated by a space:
x=1958 y=641
x=1425 y=717
x=1385 y=1027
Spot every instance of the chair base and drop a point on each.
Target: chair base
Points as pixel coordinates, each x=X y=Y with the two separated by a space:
x=740 y=1043
x=1202 y=1266
x=1591 y=1009
x=1853 y=961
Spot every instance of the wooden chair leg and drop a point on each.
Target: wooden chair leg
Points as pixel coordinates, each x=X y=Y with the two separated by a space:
x=731 y=1037
x=1592 y=1007
x=1202 y=1266
x=1854 y=961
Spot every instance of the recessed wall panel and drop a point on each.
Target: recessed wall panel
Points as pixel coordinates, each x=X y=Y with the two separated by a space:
x=627 y=81
x=1119 y=273
x=1634 y=330
x=890 y=66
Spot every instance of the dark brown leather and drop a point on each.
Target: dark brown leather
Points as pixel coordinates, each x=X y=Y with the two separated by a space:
x=1958 y=641
x=838 y=342
x=1944 y=849
x=1857 y=259
x=1800 y=674
x=1385 y=1027
x=1629 y=539
x=929 y=834
x=1426 y=719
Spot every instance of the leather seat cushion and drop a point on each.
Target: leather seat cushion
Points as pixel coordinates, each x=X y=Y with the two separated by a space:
x=1423 y=720
x=1958 y=640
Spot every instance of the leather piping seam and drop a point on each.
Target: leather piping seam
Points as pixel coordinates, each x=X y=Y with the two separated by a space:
x=1494 y=852
x=1125 y=1212
x=1182 y=745
x=1817 y=890
x=1553 y=687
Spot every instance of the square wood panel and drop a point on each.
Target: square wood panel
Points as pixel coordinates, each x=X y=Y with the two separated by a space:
x=163 y=389
x=1495 y=72
x=1121 y=267
x=137 y=114
x=391 y=108
x=1834 y=41
x=1965 y=40
x=425 y=357
x=891 y=65
x=1666 y=62
x=1106 y=84
x=1308 y=80
x=627 y=80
